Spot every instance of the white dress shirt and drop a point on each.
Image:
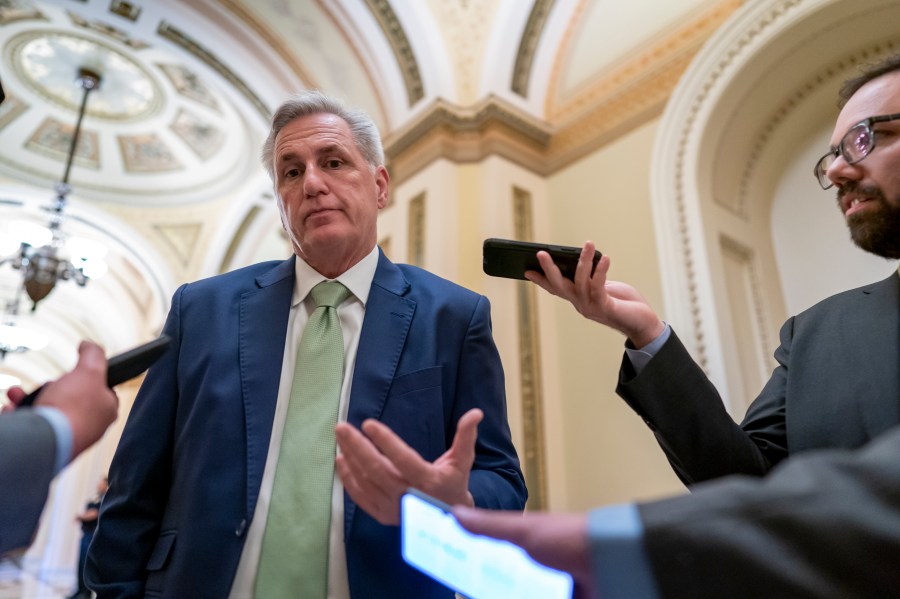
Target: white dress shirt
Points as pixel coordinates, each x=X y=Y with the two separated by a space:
x=358 y=280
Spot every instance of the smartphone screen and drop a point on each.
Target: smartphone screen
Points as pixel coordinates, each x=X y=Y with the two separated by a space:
x=472 y=565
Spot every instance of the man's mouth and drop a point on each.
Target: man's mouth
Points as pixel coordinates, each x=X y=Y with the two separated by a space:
x=319 y=212
x=855 y=205
x=854 y=198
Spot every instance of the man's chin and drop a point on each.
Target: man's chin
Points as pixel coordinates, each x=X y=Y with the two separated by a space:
x=877 y=236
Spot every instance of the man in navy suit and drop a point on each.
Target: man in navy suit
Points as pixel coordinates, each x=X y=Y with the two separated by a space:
x=192 y=479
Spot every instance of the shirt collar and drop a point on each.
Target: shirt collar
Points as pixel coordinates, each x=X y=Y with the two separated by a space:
x=358 y=279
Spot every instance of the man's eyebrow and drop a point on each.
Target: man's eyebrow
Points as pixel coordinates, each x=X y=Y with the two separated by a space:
x=291 y=155
x=285 y=156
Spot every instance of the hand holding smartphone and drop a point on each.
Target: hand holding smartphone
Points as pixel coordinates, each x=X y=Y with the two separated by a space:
x=473 y=565
x=510 y=258
x=124 y=366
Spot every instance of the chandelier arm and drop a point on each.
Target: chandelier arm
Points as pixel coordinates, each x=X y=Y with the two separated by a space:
x=89 y=81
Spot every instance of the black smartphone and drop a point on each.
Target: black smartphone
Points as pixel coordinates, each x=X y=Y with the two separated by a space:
x=124 y=366
x=433 y=542
x=510 y=258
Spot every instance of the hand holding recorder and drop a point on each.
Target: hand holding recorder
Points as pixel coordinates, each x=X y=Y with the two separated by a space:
x=84 y=395
x=582 y=282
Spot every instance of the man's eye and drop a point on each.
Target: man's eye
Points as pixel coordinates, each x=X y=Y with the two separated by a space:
x=333 y=163
x=294 y=172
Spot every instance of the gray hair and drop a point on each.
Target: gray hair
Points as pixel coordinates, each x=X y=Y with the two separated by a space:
x=363 y=129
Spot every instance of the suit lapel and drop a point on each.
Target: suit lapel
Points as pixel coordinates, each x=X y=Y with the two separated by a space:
x=262 y=327
x=381 y=342
x=878 y=326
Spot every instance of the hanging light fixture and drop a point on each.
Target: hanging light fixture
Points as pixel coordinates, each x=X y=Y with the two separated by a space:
x=45 y=262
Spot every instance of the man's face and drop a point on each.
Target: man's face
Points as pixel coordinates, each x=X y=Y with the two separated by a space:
x=869 y=191
x=328 y=194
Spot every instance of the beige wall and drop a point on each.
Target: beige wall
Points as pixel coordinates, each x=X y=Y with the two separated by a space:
x=610 y=455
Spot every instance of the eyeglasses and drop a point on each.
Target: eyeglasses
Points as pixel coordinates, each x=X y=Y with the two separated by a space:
x=855 y=145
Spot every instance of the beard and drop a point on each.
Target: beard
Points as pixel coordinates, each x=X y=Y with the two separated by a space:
x=876 y=231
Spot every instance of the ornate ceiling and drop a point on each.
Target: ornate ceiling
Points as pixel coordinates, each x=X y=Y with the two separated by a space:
x=166 y=171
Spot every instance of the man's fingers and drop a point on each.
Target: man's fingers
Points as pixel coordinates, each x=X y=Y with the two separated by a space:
x=466 y=434
x=362 y=456
x=369 y=498
x=367 y=475
x=508 y=526
x=91 y=357
x=551 y=271
x=585 y=267
x=15 y=394
x=405 y=459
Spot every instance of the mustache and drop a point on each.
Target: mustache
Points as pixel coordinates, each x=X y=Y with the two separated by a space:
x=869 y=191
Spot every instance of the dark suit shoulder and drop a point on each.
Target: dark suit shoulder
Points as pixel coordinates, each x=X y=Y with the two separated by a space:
x=888 y=289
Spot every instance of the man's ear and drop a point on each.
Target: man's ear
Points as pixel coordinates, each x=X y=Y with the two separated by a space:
x=383 y=184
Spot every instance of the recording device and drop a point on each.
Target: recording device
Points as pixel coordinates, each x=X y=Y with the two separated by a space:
x=124 y=366
x=510 y=258
x=479 y=567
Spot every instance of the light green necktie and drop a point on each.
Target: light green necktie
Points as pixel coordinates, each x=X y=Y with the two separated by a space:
x=293 y=562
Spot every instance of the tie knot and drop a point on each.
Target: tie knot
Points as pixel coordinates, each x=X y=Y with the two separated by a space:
x=329 y=293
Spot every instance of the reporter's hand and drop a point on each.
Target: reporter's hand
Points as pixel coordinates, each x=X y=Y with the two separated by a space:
x=377 y=467
x=82 y=396
x=612 y=303
x=559 y=541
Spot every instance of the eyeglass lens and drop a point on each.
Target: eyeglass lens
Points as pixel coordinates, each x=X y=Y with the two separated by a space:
x=855 y=145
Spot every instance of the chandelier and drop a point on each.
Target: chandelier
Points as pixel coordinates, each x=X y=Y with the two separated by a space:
x=44 y=262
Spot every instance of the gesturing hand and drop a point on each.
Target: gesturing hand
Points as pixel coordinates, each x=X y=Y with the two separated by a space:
x=376 y=467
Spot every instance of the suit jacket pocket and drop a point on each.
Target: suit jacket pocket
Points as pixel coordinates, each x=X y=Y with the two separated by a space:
x=414 y=410
x=416 y=380
x=162 y=550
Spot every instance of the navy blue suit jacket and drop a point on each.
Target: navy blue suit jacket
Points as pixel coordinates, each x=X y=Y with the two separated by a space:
x=186 y=476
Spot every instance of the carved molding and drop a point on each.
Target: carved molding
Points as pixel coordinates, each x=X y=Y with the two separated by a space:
x=468 y=134
x=530 y=374
x=173 y=34
x=537 y=20
x=415 y=247
x=403 y=53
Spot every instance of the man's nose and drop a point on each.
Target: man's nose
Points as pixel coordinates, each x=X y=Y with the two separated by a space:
x=314 y=181
x=840 y=171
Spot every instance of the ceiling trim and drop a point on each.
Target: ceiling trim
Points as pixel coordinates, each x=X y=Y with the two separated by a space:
x=528 y=45
x=406 y=59
x=169 y=32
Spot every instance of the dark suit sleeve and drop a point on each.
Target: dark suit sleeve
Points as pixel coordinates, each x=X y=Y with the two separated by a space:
x=27 y=460
x=822 y=525
x=685 y=412
x=139 y=480
x=496 y=480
